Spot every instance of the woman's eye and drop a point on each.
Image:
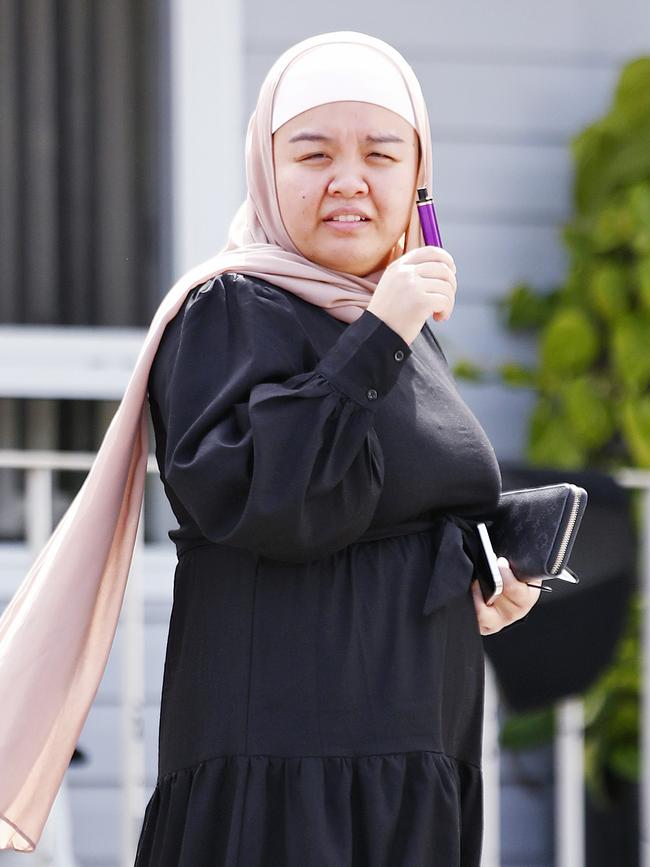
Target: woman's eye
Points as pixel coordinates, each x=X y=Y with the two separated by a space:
x=313 y=156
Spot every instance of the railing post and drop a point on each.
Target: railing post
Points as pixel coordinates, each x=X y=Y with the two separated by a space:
x=569 y=783
x=491 y=852
x=38 y=507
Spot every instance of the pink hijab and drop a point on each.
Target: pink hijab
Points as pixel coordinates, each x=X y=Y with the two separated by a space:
x=57 y=631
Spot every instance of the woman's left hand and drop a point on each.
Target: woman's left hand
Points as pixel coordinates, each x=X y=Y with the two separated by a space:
x=513 y=603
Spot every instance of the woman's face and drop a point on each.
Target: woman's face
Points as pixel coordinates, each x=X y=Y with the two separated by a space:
x=325 y=159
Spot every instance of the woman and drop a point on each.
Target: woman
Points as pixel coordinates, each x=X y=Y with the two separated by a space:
x=323 y=684
x=312 y=712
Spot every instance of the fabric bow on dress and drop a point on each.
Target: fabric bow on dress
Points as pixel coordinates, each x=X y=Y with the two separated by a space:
x=453 y=568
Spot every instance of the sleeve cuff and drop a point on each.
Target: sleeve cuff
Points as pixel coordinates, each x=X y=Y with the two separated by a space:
x=366 y=360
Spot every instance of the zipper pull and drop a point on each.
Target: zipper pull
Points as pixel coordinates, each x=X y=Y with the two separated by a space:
x=568 y=575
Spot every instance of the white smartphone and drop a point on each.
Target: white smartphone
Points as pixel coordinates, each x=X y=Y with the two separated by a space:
x=488 y=572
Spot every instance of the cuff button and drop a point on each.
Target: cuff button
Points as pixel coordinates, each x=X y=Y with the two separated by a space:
x=399 y=355
x=371 y=394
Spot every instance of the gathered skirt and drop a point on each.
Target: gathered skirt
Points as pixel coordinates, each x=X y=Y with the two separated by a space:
x=313 y=716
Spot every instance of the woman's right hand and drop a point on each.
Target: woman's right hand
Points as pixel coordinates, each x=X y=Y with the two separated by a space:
x=419 y=284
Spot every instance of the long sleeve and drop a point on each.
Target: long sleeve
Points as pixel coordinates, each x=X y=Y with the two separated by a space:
x=267 y=446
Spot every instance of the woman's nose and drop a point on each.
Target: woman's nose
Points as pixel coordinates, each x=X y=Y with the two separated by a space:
x=348 y=183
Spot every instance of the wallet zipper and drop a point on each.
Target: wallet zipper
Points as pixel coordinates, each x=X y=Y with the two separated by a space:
x=567 y=533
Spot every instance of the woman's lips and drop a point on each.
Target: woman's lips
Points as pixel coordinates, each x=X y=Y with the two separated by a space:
x=347 y=225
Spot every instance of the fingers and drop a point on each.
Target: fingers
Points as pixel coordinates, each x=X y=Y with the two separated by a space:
x=438 y=279
x=438 y=271
x=514 y=602
x=429 y=253
x=448 y=302
x=434 y=270
x=488 y=620
x=514 y=591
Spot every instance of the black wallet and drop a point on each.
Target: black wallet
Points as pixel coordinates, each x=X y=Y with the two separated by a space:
x=535 y=528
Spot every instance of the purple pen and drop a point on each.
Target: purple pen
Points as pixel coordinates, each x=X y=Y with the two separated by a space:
x=428 y=221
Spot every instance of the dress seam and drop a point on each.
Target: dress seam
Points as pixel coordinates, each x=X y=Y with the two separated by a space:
x=318 y=657
x=358 y=756
x=250 y=652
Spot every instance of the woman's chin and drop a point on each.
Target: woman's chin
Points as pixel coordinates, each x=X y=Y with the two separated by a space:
x=356 y=269
x=359 y=267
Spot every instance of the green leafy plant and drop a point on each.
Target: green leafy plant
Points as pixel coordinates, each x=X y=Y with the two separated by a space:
x=592 y=380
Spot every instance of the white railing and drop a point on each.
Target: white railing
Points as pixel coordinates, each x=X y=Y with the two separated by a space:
x=569 y=790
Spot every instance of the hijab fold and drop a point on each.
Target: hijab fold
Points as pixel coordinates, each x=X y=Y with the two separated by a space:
x=57 y=631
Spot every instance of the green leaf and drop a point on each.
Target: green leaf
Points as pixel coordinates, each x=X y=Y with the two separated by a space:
x=637 y=200
x=592 y=148
x=517 y=375
x=587 y=411
x=614 y=151
x=551 y=441
x=576 y=234
x=466 y=369
x=594 y=702
x=630 y=351
x=643 y=276
x=632 y=96
x=570 y=342
x=625 y=760
x=608 y=289
x=635 y=424
x=525 y=309
x=574 y=289
x=638 y=203
x=528 y=730
x=613 y=227
x=594 y=761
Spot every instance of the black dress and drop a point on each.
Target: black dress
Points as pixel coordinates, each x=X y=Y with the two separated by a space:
x=322 y=700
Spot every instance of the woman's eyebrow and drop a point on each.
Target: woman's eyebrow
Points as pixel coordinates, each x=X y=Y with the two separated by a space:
x=304 y=135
